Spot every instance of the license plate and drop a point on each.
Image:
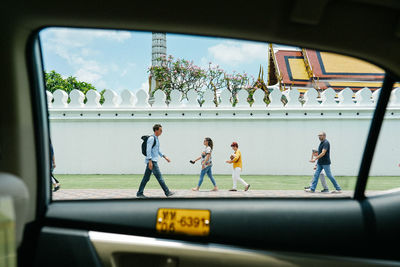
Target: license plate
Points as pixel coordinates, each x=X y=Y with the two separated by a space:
x=183 y=221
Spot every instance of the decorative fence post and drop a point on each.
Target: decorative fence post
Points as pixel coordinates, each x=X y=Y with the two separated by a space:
x=192 y=99
x=346 y=97
x=328 y=98
x=176 y=99
x=276 y=98
x=375 y=96
x=159 y=99
x=127 y=99
x=110 y=99
x=60 y=99
x=395 y=98
x=310 y=98
x=242 y=96
x=208 y=99
x=49 y=96
x=225 y=97
x=77 y=98
x=142 y=99
x=258 y=97
x=93 y=99
x=293 y=99
x=364 y=97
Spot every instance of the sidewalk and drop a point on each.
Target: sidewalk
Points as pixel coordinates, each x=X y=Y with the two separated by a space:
x=73 y=194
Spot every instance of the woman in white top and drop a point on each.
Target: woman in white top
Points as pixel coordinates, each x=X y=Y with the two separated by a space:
x=206 y=164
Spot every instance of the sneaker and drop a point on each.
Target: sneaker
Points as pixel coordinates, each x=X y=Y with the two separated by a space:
x=140 y=196
x=56 y=188
x=233 y=189
x=247 y=187
x=309 y=190
x=336 y=191
x=306 y=187
x=325 y=191
x=170 y=193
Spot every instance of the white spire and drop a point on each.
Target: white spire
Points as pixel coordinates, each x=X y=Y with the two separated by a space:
x=159 y=47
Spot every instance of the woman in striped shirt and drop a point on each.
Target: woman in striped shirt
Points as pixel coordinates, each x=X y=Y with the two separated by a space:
x=206 y=164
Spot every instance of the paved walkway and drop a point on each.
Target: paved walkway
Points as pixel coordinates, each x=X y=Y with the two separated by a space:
x=70 y=194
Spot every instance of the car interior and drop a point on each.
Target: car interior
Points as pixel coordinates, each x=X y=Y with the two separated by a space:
x=356 y=231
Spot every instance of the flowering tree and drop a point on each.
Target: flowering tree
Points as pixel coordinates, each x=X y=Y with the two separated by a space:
x=215 y=80
x=180 y=74
x=236 y=82
x=183 y=75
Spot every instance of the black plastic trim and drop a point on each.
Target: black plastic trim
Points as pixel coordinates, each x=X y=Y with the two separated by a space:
x=40 y=120
x=373 y=135
x=65 y=247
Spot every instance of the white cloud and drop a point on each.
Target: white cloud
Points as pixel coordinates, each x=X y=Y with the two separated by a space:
x=119 y=36
x=235 y=53
x=87 y=75
x=75 y=46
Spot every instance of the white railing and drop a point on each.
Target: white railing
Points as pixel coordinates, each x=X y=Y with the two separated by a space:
x=140 y=100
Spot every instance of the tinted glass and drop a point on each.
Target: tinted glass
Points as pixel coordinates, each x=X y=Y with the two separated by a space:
x=264 y=106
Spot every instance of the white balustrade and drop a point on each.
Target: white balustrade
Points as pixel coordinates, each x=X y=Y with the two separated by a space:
x=276 y=98
x=363 y=97
x=60 y=99
x=49 y=96
x=293 y=99
x=142 y=99
x=192 y=99
x=176 y=99
x=93 y=99
x=310 y=98
x=375 y=96
x=127 y=99
x=110 y=99
x=208 y=99
x=225 y=97
x=159 y=99
x=242 y=96
x=258 y=97
x=395 y=98
x=77 y=98
x=328 y=98
x=346 y=97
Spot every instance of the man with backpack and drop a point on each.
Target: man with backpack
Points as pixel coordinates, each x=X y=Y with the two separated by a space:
x=151 y=149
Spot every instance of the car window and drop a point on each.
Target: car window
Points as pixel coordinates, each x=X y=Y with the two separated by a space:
x=141 y=114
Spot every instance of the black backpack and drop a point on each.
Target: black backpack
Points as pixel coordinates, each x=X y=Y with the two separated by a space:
x=144 y=144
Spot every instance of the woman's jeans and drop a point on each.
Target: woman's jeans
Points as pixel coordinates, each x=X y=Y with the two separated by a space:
x=206 y=170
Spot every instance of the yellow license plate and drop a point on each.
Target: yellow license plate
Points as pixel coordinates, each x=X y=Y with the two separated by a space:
x=183 y=221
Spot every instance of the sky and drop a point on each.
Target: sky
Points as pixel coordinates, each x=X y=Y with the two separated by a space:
x=119 y=60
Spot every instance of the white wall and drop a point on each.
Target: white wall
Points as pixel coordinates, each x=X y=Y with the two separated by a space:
x=106 y=140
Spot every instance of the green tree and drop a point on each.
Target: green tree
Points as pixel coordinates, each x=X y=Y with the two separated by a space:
x=54 y=81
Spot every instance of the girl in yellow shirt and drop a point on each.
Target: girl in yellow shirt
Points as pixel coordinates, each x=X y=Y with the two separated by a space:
x=236 y=159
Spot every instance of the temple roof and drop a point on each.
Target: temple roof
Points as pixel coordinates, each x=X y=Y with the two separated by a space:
x=321 y=70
